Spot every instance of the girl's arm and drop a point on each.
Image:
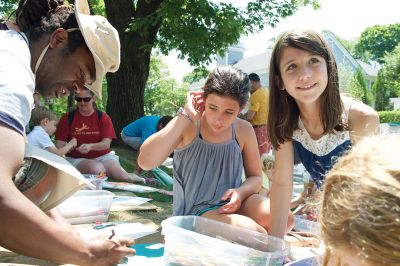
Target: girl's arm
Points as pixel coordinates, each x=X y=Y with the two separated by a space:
x=160 y=145
x=251 y=160
x=363 y=121
x=281 y=190
x=252 y=168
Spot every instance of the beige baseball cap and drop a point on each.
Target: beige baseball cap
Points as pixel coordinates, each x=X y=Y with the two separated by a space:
x=102 y=39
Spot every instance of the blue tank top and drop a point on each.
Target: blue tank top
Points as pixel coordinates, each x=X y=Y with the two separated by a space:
x=203 y=171
x=318 y=156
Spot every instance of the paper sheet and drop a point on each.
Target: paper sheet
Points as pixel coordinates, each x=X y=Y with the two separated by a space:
x=133 y=230
x=129 y=187
x=130 y=201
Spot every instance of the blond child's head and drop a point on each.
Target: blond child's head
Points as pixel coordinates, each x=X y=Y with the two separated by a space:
x=46 y=118
x=360 y=215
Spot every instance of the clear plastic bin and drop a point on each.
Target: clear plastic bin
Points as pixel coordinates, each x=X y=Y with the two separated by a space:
x=87 y=206
x=301 y=224
x=193 y=240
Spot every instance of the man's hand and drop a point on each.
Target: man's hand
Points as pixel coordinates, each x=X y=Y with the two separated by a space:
x=107 y=252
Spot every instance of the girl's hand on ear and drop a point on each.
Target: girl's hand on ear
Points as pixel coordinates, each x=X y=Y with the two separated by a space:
x=194 y=106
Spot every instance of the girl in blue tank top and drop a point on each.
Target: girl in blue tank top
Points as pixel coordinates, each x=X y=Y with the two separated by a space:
x=212 y=147
x=307 y=115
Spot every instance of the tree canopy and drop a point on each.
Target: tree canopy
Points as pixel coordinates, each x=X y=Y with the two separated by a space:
x=197 y=29
x=377 y=41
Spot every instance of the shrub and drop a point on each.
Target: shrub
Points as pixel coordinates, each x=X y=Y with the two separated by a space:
x=389 y=116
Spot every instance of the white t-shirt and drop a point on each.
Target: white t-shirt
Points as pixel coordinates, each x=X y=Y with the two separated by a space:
x=17 y=81
x=38 y=137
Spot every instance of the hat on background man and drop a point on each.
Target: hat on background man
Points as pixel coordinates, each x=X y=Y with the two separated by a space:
x=102 y=39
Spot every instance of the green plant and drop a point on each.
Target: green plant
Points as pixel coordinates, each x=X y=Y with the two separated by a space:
x=358 y=88
x=389 y=116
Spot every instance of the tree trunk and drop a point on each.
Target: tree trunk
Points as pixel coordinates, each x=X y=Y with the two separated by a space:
x=126 y=87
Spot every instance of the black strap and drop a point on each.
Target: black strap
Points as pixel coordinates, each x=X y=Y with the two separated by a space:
x=71 y=116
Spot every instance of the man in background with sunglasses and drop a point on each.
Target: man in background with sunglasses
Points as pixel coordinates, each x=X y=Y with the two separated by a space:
x=94 y=132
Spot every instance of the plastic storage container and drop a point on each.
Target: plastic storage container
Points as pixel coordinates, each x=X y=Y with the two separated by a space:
x=301 y=224
x=87 y=206
x=97 y=180
x=193 y=240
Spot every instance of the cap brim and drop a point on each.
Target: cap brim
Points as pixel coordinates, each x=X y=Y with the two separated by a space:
x=82 y=11
x=69 y=179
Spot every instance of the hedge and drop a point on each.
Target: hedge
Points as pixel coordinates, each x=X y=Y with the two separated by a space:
x=389 y=116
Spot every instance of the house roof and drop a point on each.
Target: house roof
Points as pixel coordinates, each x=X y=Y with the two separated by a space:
x=256 y=63
x=369 y=70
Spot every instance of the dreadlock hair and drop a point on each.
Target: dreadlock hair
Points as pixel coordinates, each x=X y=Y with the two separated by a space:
x=38 y=17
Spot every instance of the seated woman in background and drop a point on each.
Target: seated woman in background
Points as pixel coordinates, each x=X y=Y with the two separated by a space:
x=211 y=148
x=360 y=215
x=93 y=131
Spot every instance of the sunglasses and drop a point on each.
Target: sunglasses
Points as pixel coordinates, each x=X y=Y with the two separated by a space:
x=85 y=99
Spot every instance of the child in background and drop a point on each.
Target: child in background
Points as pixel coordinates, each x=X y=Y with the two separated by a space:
x=360 y=217
x=45 y=124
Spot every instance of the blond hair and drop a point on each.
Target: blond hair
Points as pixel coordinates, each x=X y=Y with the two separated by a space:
x=361 y=203
x=40 y=113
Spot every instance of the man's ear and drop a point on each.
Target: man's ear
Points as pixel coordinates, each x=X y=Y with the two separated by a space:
x=58 y=37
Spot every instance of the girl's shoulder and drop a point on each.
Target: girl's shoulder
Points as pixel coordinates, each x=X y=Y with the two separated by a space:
x=363 y=120
x=242 y=126
x=360 y=111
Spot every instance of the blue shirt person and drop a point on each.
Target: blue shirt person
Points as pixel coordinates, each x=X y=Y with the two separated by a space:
x=135 y=133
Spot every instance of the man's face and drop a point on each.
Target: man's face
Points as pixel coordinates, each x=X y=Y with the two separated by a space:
x=61 y=73
x=253 y=85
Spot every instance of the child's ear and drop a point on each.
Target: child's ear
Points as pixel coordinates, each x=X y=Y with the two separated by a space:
x=44 y=121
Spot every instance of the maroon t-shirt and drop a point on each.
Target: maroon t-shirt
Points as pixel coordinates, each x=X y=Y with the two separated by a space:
x=86 y=129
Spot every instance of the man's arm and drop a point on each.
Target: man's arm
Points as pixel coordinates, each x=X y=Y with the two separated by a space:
x=25 y=229
x=249 y=115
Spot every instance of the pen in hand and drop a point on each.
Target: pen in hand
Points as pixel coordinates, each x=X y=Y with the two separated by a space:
x=112 y=234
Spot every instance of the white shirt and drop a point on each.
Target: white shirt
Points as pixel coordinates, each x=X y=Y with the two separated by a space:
x=38 y=137
x=17 y=81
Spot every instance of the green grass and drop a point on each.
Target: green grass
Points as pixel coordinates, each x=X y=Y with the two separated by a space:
x=127 y=158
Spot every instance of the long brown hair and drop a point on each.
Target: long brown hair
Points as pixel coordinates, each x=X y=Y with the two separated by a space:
x=284 y=113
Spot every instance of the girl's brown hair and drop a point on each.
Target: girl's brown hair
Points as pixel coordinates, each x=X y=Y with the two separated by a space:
x=228 y=81
x=283 y=111
x=361 y=203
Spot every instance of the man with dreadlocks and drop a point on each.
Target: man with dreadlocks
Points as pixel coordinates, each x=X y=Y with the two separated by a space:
x=59 y=48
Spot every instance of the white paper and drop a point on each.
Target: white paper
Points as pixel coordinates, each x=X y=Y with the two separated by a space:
x=130 y=201
x=129 y=187
x=141 y=260
x=133 y=230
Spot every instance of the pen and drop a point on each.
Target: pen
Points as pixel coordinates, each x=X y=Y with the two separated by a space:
x=112 y=234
